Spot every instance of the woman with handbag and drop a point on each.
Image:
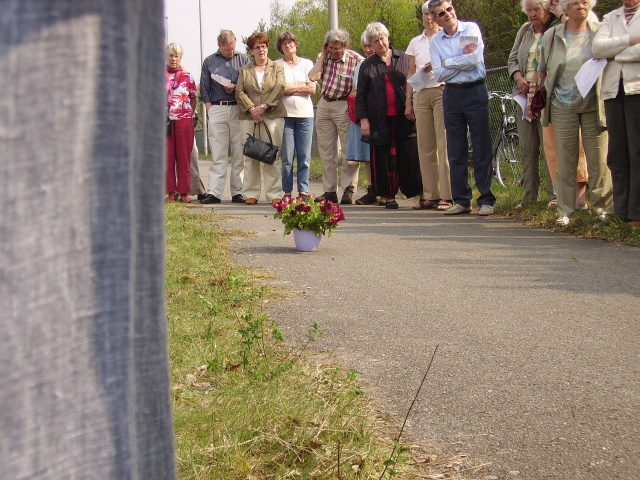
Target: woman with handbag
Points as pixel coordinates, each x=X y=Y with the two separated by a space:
x=181 y=107
x=259 y=94
x=522 y=64
x=565 y=48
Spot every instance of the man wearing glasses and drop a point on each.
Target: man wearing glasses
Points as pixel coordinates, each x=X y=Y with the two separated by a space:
x=334 y=69
x=457 y=60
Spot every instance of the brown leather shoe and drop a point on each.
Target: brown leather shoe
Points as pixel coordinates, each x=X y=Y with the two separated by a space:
x=251 y=201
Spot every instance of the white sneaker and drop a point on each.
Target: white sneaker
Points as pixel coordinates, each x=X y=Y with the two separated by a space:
x=604 y=216
x=485 y=210
x=563 y=221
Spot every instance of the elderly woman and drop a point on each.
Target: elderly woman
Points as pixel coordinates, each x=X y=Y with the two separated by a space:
x=547 y=131
x=380 y=106
x=298 y=124
x=565 y=48
x=181 y=107
x=617 y=40
x=522 y=64
x=357 y=150
x=259 y=94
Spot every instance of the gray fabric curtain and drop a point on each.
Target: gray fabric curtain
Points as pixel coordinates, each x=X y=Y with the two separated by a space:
x=84 y=389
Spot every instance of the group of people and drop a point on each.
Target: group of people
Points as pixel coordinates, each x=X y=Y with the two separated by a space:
x=588 y=140
x=413 y=135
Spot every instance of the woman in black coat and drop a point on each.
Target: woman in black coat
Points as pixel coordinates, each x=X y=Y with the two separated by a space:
x=380 y=106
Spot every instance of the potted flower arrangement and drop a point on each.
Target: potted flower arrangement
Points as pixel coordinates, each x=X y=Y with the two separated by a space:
x=308 y=220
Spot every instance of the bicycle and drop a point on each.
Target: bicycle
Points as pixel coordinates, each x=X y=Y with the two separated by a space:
x=507 y=164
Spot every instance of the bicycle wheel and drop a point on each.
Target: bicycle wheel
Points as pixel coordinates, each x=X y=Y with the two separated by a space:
x=508 y=160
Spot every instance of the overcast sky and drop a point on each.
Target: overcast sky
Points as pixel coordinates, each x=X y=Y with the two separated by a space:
x=241 y=16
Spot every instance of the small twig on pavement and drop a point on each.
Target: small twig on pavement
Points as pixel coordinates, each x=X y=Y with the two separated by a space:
x=424 y=378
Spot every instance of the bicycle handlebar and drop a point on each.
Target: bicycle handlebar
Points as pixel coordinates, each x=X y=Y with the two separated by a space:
x=500 y=95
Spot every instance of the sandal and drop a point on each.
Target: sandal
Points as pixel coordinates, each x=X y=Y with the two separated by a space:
x=426 y=204
x=444 y=205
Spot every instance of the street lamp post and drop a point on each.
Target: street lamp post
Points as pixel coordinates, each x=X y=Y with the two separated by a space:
x=333 y=14
x=205 y=140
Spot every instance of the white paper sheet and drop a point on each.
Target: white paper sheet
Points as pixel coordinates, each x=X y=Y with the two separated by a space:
x=467 y=39
x=588 y=74
x=225 y=82
x=419 y=80
x=521 y=99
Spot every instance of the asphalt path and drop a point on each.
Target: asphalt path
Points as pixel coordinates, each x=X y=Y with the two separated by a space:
x=538 y=366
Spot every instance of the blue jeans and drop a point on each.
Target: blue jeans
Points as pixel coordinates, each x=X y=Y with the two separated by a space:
x=296 y=140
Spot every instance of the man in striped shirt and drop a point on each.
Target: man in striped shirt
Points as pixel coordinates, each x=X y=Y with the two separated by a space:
x=334 y=69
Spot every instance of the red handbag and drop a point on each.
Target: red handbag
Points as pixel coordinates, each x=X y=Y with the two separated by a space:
x=351 y=108
x=538 y=100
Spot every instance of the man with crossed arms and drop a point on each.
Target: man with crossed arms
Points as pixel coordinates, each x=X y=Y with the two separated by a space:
x=457 y=60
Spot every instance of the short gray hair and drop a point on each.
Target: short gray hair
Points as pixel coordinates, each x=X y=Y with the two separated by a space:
x=225 y=37
x=544 y=4
x=363 y=39
x=565 y=3
x=436 y=3
x=174 y=48
x=337 y=35
x=375 y=29
x=425 y=7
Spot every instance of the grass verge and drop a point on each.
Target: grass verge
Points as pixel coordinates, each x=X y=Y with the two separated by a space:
x=246 y=406
x=584 y=223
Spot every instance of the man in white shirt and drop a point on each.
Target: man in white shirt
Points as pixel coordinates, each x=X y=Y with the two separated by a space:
x=425 y=105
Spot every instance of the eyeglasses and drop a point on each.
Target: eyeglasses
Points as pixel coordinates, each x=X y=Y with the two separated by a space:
x=446 y=10
x=533 y=10
x=335 y=49
x=262 y=45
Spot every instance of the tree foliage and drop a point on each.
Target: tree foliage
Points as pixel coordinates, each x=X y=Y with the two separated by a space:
x=309 y=20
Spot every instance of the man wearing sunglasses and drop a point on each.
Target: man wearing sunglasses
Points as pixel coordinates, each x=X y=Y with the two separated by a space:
x=457 y=60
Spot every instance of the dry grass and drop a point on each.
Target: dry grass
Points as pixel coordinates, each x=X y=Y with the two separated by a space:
x=247 y=406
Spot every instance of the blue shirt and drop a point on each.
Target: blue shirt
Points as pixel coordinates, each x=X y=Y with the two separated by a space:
x=229 y=68
x=458 y=67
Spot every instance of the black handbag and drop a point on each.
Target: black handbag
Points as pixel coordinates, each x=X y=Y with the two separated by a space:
x=169 y=124
x=265 y=152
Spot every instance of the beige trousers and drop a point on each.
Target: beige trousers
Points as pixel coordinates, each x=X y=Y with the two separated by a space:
x=432 y=143
x=257 y=173
x=225 y=136
x=332 y=126
x=582 y=175
x=566 y=131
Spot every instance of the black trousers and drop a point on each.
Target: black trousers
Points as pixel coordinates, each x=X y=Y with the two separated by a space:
x=623 y=159
x=468 y=108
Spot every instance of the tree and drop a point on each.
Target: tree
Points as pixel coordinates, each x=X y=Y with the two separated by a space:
x=309 y=20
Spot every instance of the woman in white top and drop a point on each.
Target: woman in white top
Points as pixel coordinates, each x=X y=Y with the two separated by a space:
x=618 y=40
x=298 y=123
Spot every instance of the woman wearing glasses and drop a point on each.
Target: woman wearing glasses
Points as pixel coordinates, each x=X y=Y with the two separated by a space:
x=181 y=107
x=259 y=94
x=565 y=48
x=522 y=64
